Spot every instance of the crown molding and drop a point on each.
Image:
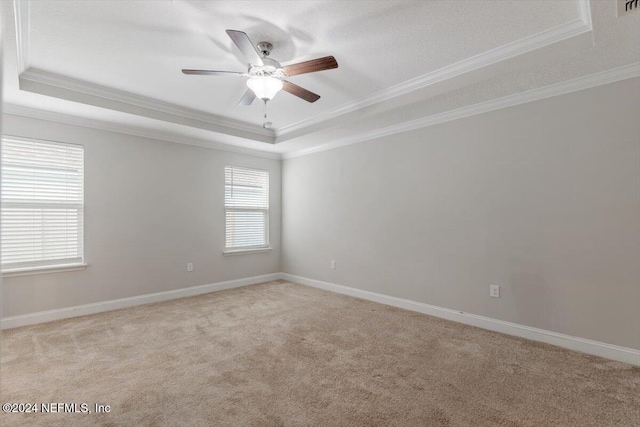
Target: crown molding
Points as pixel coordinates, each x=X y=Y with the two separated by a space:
x=581 y=25
x=610 y=76
x=28 y=74
x=548 y=37
x=584 y=11
x=23 y=26
x=586 y=82
x=23 y=111
x=64 y=82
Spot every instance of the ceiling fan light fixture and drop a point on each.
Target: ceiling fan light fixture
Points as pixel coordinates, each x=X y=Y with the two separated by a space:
x=267 y=76
x=265 y=87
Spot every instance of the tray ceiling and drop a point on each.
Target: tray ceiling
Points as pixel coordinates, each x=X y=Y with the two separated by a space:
x=126 y=57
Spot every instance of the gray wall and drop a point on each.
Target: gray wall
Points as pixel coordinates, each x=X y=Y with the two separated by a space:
x=150 y=207
x=542 y=199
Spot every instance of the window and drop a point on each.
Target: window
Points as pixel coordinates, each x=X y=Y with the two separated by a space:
x=42 y=204
x=246 y=204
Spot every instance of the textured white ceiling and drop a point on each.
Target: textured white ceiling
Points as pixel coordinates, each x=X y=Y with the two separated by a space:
x=139 y=48
x=613 y=43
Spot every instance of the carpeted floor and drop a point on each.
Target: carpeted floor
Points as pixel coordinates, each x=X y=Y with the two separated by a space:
x=281 y=354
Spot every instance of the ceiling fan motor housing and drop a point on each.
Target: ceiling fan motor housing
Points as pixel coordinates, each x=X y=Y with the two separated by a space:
x=265 y=48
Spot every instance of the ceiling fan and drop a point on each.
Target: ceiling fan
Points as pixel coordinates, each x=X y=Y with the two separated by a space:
x=266 y=77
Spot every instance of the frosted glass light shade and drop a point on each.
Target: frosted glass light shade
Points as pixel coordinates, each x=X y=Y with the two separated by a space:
x=264 y=87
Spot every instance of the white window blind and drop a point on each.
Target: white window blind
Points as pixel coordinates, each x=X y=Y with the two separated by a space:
x=246 y=202
x=42 y=204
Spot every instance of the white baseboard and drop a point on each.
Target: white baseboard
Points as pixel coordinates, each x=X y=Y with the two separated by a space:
x=609 y=351
x=98 y=307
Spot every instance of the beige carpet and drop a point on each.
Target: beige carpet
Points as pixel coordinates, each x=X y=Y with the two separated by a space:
x=280 y=354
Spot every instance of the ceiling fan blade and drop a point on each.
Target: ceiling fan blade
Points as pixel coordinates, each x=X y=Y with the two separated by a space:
x=320 y=64
x=245 y=45
x=210 y=72
x=247 y=98
x=300 y=92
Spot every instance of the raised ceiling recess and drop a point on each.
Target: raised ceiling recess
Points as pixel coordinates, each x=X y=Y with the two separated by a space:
x=117 y=65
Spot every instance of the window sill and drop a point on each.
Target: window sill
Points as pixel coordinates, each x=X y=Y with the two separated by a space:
x=230 y=252
x=43 y=270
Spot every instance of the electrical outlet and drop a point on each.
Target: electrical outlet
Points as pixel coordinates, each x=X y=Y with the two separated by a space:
x=333 y=265
x=189 y=266
x=494 y=291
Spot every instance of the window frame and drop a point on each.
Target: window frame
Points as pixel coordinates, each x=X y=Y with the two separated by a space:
x=236 y=250
x=55 y=265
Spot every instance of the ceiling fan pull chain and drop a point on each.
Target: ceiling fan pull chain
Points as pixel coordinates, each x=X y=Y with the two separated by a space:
x=264 y=122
